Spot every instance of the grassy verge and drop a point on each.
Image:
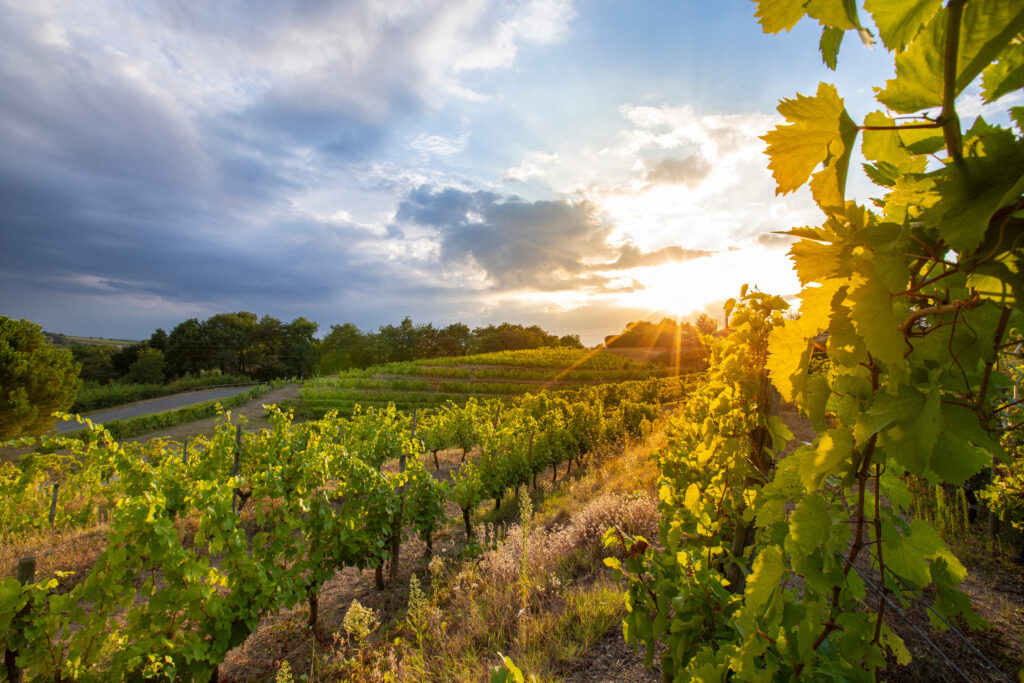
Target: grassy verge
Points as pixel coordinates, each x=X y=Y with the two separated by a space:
x=121 y=429
x=97 y=396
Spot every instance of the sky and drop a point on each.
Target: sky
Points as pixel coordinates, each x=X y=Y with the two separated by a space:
x=575 y=164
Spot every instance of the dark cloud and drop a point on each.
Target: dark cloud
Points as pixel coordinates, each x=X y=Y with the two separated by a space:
x=110 y=191
x=686 y=171
x=540 y=245
x=543 y=245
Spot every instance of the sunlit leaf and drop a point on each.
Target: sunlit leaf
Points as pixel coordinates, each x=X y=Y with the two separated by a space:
x=899 y=21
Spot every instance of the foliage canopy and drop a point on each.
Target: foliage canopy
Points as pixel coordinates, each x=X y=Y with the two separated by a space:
x=36 y=379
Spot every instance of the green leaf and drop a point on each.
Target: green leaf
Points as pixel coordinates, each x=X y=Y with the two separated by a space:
x=883 y=145
x=831 y=39
x=818 y=261
x=911 y=439
x=970 y=194
x=1004 y=76
x=818 y=392
x=779 y=15
x=767 y=572
x=833 y=449
x=810 y=525
x=819 y=131
x=838 y=14
x=788 y=354
x=955 y=459
x=918 y=82
x=899 y=21
x=988 y=27
x=999 y=279
x=875 y=319
x=881 y=173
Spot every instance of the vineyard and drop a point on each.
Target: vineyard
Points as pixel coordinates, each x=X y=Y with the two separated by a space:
x=204 y=539
x=504 y=375
x=761 y=556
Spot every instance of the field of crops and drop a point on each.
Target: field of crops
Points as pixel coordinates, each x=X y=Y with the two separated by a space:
x=506 y=374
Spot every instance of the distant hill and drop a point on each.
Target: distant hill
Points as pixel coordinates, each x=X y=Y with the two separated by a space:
x=65 y=340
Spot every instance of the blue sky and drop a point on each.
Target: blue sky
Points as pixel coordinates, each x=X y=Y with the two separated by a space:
x=576 y=164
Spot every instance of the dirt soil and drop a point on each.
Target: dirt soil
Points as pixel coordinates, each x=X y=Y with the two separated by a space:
x=611 y=660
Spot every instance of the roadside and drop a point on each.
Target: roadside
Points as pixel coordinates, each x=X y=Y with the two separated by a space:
x=154 y=405
x=253 y=413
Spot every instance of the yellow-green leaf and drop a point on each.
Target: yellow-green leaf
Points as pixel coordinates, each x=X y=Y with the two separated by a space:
x=875 y=320
x=838 y=14
x=818 y=261
x=819 y=130
x=831 y=39
x=779 y=15
x=899 y=21
x=765 y=577
x=1004 y=76
x=883 y=145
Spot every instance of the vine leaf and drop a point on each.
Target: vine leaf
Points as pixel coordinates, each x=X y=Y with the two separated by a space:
x=988 y=27
x=779 y=15
x=883 y=145
x=970 y=196
x=789 y=350
x=838 y=14
x=875 y=319
x=819 y=131
x=956 y=459
x=768 y=571
x=810 y=525
x=899 y=21
x=918 y=82
x=1006 y=75
x=831 y=39
x=833 y=449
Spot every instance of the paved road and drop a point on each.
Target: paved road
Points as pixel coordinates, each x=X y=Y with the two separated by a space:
x=155 y=405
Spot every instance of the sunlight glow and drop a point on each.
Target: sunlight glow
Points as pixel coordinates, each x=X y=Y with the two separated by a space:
x=679 y=289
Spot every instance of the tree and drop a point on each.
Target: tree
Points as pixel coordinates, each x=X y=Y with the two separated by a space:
x=96 y=362
x=298 y=348
x=36 y=379
x=705 y=324
x=570 y=341
x=148 y=367
x=158 y=340
x=187 y=349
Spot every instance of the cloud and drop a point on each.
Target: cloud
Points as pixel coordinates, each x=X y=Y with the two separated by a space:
x=439 y=144
x=544 y=245
x=687 y=171
x=675 y=176
x=180 y=156
x=533 y=166
x=630 y=256
x=774 y=239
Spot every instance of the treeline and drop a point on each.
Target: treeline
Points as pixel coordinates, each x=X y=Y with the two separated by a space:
x=664 y=335
x=346 y=346
x=234 y=344
x=226 y=343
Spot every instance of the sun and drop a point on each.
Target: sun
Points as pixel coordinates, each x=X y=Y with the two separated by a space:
x=684 y=288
